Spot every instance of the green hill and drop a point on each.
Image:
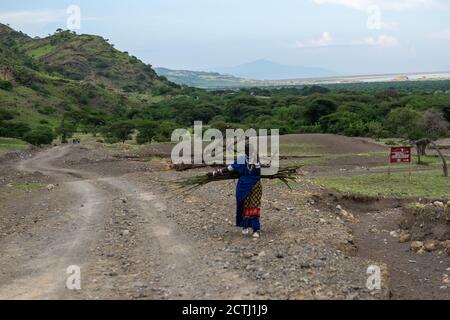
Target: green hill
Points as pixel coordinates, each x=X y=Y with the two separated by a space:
x=88 y=57
x=42 y=78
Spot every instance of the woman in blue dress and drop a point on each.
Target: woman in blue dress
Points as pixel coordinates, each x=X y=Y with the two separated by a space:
x=248 y=194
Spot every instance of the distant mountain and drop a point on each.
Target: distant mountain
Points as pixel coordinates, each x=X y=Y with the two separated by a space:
x=205 y=80
x=215 y=80
x=269 y=70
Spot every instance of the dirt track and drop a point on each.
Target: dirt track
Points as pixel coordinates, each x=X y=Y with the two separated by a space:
x=133 y=238
x=35 y=263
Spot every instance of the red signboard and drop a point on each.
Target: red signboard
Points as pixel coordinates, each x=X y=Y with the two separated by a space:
x=400 y=155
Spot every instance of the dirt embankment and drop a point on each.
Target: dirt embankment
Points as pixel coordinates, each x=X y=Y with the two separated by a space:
x=412 y=241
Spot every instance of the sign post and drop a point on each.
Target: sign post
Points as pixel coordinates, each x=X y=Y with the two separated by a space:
x=399 y=155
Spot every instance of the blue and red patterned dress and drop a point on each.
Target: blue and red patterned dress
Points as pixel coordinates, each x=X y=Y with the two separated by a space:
x=248 y=194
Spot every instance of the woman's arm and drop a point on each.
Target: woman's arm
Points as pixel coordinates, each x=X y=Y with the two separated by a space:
x=220 y=172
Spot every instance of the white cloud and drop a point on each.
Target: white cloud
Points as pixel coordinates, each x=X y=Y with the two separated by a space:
x=32 y=17
x=388 y=5
x=441 y=35
x=383 y=41
x=324 y=41
x=37 y=17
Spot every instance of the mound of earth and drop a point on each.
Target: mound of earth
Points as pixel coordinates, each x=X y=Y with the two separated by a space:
x=333 y=143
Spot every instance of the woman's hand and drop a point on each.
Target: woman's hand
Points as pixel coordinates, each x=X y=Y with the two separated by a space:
x=217 y=173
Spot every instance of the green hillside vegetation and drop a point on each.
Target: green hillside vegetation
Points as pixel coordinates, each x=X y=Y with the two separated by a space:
x=68 y=83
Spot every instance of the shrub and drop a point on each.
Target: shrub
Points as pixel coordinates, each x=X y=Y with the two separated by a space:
x=6 y=85
x=10 y=129
x=47 y=110
x=40 y=136
x=6 y=114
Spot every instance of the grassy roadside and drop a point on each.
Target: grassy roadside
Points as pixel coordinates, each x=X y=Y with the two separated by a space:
x=28 y=186
x=9 y=144
x=422 y=184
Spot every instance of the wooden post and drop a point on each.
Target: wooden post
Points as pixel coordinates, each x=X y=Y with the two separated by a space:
x=389 y=163
x=410 y=166
x=444 y=162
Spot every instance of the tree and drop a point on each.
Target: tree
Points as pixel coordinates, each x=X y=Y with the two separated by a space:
x=404 y=123
x=345 y=123
x=66 y=129
x=93 y=122
x=424 y=143
x=165 y=130
x=318 y=109
x=119 y=131
x=147 y=131
x=434 y=126
x=40 y=136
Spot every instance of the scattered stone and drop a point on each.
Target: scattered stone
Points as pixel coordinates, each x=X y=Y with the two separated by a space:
x=124 y=200
x=446 y=280
x=394 y=234
x=125 y=232
x=250 y=267
x=404 y=237
x=431 y=245
x=51 y=187
x=421 y=251
x=346 y=215
x=438 y=204
x=416 y=246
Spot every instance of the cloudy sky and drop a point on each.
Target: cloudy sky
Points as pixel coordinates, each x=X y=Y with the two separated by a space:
x=347 y=36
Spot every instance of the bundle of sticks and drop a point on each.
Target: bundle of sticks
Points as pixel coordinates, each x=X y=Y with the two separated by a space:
x=285 y=175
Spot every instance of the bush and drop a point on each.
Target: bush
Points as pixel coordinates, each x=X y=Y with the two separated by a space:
x=10 y=129
x=47 y=110
x=344 y=122
x=6 y=115
x=6 y=85
x=40 y=136
x=165 y=130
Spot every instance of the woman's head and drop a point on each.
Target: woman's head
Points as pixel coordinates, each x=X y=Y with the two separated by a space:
x=251 y=151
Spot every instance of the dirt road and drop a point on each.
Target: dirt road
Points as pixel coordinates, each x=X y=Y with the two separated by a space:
x=34 y=264
x=134 y=238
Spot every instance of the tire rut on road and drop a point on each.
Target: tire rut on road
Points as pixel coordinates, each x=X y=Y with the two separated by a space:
x=35 y=267
x=183 y=271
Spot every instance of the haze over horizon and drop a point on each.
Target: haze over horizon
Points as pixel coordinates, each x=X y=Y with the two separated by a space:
x=378 y=36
